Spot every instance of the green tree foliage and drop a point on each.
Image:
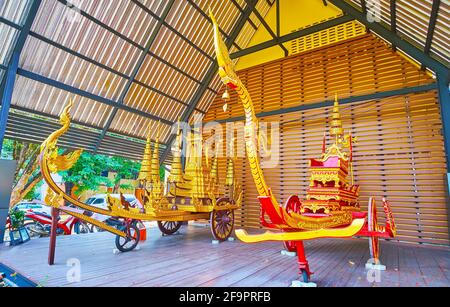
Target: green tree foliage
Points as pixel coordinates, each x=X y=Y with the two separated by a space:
x=7 y=150
x=88 y=173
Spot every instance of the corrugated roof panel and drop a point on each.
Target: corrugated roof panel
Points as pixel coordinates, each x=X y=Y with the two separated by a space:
x=8 y=37
x=148 y=101
x=160 y=76
x=49 y=61
x=208 y=97
x=85 y=37
x=126 y=122
x=15 y=10
x=36 y=96
x=178 y=52
x=190 y=23
x=125 y=16
x=226 y=14
x=413 y=18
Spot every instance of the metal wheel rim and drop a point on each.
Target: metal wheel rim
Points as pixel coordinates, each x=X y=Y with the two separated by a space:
x=169 y=225
x=129 y=239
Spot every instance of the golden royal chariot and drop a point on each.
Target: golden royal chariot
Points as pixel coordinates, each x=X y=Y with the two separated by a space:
x=194 y=194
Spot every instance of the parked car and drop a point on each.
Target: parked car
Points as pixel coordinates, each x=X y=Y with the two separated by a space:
x=35 y=206
x=99 y=201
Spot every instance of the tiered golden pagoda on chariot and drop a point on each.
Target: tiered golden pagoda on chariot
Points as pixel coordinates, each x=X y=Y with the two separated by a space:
x=330 y=190
x=192 y=195
x=331 y=208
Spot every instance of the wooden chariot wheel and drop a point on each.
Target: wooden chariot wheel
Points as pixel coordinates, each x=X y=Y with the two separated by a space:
x=128 y=243
x=222 y=221
x=374 y=244
x=169 y=228
x=292 y=205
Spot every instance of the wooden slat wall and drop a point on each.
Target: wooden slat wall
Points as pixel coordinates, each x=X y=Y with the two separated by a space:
x=399 y=153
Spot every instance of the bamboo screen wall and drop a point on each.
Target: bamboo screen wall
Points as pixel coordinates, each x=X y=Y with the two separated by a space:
x=399 y=152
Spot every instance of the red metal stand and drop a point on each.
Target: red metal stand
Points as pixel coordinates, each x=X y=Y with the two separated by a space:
x=52 y=246
x=302 y=261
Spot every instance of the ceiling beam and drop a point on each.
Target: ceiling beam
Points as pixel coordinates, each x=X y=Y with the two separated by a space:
x=254 y=26
x=278 y=13
x=10 y=23
x=133 y=43
x=431 y=26
x=393 y=9
x=342 y=101
x=211 y=73
x=135 y=72
x=172 y=29
x=268 y=28
x=393 y=38
x=291 y=36
x=364 y=7
x=71 y=89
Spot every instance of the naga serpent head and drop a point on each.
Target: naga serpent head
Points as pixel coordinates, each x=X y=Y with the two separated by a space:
x=65 y=118
x=226 y=66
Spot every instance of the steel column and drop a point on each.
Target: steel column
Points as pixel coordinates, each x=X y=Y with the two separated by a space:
x=12 y=69
x=7 y=95
x=444 y=99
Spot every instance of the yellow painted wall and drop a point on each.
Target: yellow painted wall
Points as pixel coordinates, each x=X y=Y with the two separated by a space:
x=294 y=14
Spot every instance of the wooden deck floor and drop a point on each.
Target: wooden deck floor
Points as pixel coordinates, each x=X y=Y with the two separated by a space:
x=189 y=259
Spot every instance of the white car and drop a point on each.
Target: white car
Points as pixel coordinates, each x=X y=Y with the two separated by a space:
x=99 y=201
x=34 y=206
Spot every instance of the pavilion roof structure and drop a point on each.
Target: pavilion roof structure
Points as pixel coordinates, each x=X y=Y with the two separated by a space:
x=134 y=64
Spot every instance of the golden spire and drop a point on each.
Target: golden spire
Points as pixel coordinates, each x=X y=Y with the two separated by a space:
x=146 y=171
x=176 y=172
x=336 y=129
x=214 y=166
x=155 y=158
x=229 y=181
